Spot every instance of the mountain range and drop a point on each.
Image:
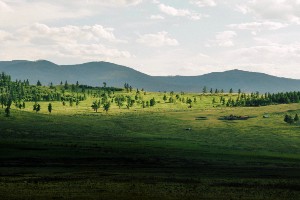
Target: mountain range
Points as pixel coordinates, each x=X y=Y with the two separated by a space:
x=95 y=73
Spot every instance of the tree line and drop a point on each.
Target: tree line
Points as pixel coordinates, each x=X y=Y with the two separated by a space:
x=255 y=99
x=19 y=92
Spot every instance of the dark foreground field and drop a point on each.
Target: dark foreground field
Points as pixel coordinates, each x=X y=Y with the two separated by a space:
x=150 y=155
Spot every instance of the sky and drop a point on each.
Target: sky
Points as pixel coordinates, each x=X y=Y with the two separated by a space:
x=157 y=37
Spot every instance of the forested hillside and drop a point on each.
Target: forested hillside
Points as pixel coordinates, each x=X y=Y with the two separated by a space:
x=20 y=92
x=95 y=73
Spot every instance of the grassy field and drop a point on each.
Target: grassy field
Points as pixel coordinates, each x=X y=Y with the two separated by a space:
x=162 y=152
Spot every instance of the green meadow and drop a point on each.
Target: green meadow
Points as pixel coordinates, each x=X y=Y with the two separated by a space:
x=167 y=151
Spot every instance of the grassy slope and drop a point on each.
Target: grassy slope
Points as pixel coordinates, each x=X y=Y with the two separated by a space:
x=148 y=154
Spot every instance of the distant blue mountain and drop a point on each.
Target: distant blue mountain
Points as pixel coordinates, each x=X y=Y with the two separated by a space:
x=95 y=73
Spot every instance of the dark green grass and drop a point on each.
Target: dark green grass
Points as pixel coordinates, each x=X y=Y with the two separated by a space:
x=150 y=155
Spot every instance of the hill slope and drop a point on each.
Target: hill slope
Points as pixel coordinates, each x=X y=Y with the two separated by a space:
x=95 y=73
x=237 y=79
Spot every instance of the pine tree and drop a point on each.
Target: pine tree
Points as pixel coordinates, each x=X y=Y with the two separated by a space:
x=152 y=102
x=106 y=106
x=7 y=111
x=39 y=83
x=71 y=102
x=66 y=86
x=214 y=101
x=96 y=106
x=49 y=107
x=119 y=101
x=165 y=98
x=296 y=119
x=204 y=90
x=189 y=101
x=36 y=107
x=288 y=119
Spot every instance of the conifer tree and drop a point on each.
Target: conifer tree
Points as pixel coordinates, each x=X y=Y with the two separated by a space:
x=36 y=107
x=66 y=86
x=96 y=106
x=106 y=106
x=39 y=83
x=152 y=102
x=296 y=119
x=7 y=111
x=49 y=107
x=204 y=90
x=165 y=98
x=288 y=119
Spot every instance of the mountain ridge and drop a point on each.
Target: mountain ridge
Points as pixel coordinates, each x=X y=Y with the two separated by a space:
x=95 y=73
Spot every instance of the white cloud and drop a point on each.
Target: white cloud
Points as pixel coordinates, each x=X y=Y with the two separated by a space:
x=169 y=10
x=242 y=9
x=79 y=42
x=83 y=3
x=124 y=2
x=4 y=7
x=100 y=31
x=225 y=38
x=156 y=17
x=196 y=16
x=259 y=26
x=264 y=55
x=4 y=36
x=92 y=51
x=157 y=40
x=24 y=12
x=204 y=3
x=87 y=33
x=106 y=2
x=285 y=10
x=173 y=11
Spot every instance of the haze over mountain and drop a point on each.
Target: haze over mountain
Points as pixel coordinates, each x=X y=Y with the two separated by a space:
x=95 y=73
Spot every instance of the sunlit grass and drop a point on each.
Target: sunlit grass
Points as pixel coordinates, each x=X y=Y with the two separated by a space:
x=161 y=152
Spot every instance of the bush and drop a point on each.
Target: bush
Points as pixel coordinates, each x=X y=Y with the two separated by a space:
x=288 y=119
x=152 y=102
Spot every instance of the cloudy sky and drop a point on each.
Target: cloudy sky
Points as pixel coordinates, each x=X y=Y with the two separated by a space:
x=158 y=37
